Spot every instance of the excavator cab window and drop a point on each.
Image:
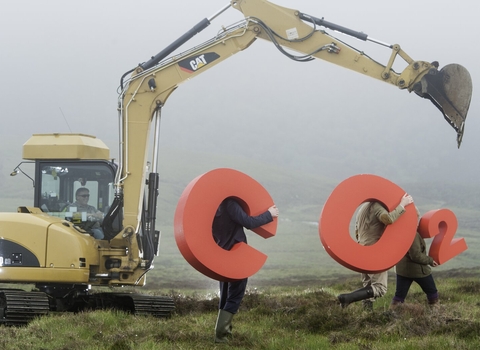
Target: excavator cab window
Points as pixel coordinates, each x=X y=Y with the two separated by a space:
x=78 y=191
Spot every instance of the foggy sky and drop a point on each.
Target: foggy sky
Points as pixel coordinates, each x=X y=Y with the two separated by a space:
x=62 y=62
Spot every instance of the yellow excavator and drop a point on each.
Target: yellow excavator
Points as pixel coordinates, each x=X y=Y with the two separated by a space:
x=52 y=246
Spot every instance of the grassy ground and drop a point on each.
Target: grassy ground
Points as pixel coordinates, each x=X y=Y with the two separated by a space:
x=275 y=318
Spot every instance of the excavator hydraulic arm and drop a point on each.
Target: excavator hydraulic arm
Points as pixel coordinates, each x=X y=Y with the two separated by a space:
x=449 y=89
x=148 y=86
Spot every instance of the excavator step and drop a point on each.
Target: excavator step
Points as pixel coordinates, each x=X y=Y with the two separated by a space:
x=137 y=304
x=18 y=307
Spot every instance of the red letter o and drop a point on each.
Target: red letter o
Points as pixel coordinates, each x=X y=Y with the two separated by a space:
x=334 y=225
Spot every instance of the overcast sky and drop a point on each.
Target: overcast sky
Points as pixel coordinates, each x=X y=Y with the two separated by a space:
x=62 y=62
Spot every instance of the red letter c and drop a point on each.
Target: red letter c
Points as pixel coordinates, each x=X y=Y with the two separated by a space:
x=194 y=217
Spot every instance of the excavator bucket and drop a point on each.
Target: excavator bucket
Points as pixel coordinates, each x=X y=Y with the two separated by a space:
x=450 y=89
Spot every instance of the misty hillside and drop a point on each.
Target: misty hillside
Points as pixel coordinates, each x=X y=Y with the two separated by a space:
x=295 y=254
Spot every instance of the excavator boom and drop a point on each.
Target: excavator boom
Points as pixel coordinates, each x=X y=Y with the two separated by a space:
x=449 y=89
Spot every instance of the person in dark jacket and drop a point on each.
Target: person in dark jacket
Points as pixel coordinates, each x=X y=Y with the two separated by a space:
x=227 y=229
x=415 y=267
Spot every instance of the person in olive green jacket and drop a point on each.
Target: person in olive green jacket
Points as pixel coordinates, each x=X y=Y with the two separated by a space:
x=415 y=267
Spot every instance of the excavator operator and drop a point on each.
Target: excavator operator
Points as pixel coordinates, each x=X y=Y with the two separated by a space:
x=94 y=216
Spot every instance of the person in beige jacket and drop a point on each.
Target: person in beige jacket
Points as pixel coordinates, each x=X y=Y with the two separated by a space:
x=371 y=221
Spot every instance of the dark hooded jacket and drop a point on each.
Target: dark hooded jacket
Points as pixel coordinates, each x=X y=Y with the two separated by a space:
x=229 y=221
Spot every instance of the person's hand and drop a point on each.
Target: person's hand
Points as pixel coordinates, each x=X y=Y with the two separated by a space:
x=434 y=264
x=91 y=217
x=406 y=200
x=97 y=216
x=274 y=211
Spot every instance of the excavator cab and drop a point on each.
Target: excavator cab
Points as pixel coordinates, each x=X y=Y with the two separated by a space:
x=58 y=182
x=65 y=163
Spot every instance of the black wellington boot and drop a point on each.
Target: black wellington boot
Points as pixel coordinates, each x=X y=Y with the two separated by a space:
x=359 y=294
x=223 y=327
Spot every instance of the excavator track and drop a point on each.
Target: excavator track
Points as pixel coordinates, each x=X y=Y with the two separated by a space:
x=18 y=307
x=137 y=304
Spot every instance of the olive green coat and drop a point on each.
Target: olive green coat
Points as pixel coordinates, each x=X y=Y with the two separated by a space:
x=415 y=264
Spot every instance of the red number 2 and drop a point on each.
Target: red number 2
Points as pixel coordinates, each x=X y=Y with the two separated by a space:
x=441 y=224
